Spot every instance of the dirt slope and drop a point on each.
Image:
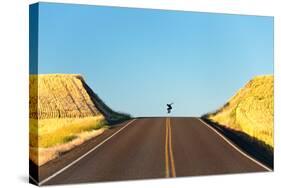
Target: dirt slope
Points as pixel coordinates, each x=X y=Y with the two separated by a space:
x=65 y=96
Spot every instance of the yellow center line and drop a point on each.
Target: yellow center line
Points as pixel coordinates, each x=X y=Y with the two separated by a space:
x=169 y=151
x=166 y=151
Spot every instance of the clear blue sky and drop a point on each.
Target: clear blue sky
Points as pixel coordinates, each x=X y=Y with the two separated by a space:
x=137 y=60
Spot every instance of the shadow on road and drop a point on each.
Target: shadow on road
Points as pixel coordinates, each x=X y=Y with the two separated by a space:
x=256 y=148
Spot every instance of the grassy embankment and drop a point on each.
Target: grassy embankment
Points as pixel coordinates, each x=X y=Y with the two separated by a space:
x=51 y=137
x=248 y=118
x=250 y=111
x=51 y=132
x=64 y=114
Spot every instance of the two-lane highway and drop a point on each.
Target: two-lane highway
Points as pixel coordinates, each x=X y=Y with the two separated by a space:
x=148 y=148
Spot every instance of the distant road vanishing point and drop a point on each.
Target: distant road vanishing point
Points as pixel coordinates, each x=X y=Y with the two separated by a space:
x=146 y=148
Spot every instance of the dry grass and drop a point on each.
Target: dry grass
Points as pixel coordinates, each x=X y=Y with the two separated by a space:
x=40 y=156
x=48 y=138
x=64 y=112
x=51 y=132
x=250 y=110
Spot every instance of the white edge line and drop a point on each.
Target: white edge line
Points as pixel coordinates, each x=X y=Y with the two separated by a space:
x=235 y=147
x=81 y=157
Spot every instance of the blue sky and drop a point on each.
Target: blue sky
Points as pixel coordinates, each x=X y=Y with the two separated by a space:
x=137 y=60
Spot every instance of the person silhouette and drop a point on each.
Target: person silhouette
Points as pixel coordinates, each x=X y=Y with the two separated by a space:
x=169 y=107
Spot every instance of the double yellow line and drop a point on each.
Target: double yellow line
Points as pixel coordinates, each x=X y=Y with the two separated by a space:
x=170 y=170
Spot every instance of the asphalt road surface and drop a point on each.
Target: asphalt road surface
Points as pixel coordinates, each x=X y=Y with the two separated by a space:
x=147 y=148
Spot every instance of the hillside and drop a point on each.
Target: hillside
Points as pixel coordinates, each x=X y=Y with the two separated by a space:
x=250 y=110
x=66 y=96
x=64 y=113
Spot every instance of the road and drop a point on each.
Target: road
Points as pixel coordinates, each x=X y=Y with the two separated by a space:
x=147 y=148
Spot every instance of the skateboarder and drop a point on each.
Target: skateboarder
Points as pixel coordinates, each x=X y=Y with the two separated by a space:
x=169 y=107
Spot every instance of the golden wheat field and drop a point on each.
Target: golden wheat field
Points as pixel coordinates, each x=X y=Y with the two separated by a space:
x=251 y=110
